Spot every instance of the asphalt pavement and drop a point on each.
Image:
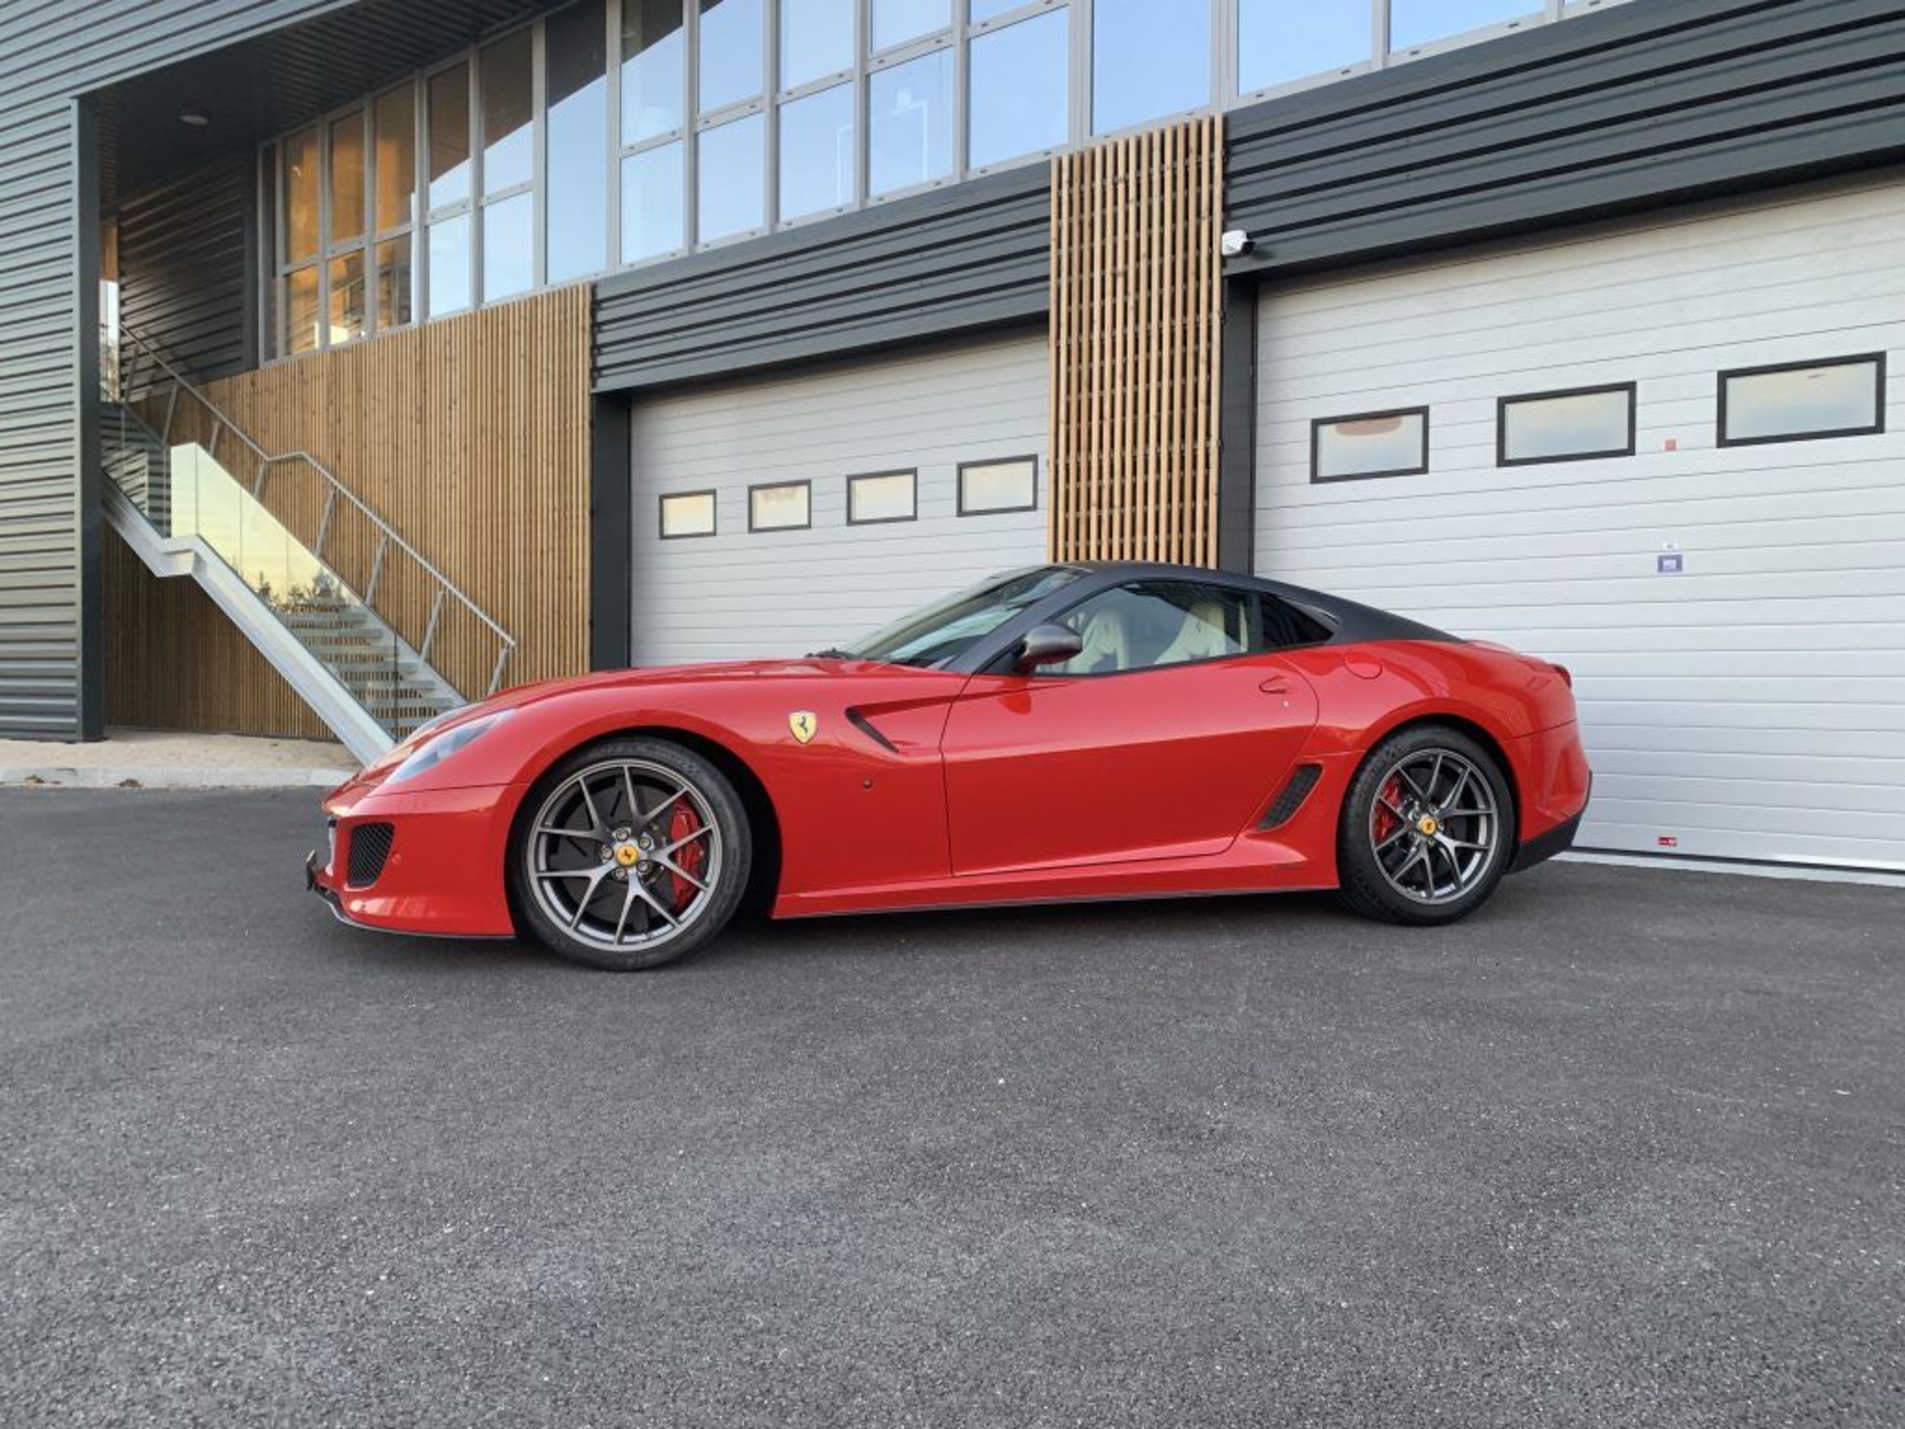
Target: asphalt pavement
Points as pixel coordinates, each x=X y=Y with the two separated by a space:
x=1625 y=1149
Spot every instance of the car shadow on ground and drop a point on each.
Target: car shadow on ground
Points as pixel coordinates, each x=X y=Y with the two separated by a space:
x=1283 y=920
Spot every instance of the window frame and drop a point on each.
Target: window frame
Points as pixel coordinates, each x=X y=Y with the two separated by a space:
x=661 y=515
x=912 y=475
x=804 y=483
x=1877 y=361
x=959 y=485
x=1316 y=445
x=1502 y=404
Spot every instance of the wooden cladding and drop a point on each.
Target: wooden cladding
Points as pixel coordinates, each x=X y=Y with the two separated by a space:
x=1136 y=300
x=173 y=661
x=470 y=436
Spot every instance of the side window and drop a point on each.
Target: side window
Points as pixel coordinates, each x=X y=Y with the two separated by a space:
x=1284 y=626
x=1149 y=624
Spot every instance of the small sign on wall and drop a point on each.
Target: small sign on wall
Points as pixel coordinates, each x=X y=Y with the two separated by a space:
x=1668 y=563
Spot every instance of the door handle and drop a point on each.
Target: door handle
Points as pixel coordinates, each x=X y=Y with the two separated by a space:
x=1276 y=685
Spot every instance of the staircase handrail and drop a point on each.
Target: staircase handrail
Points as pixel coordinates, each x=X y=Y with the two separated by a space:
x=389 y=535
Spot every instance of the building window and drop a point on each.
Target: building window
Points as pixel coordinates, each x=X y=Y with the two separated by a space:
x=1792 y=401
x=816 y=159
x=781 y=506
x=1565 y=426
x=882 y=496
x=1019 y=97
x=733 y=163
x=1147 y=61
x=576 y=155
x=731 y=64
x=898 y=22
x=654 y=68
x=599 y=136
x=653 y=187
x=1370 y=444
x=1282 y=41
x=909 y=127
x=816 y=40
x=1415 y=23
x=987 y=487
x=687 y=513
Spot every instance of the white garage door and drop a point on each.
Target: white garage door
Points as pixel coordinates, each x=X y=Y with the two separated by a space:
x=744 y=592
x=1734 y=614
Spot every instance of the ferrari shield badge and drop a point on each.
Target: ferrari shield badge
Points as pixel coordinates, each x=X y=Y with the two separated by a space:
x=803 y=724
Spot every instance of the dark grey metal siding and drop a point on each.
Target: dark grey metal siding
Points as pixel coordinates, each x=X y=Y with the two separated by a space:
x=969 y=257
x=186 y=272
x=51 y=53
x=1654 y=101
x=49 y=516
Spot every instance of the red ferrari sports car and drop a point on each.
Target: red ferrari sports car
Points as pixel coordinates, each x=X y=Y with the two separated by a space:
x=1063 y=732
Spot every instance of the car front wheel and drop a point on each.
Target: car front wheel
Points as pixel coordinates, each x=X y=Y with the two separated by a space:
x=629 y=854
x=1427 y=830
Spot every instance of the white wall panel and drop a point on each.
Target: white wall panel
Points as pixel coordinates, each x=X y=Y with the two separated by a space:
x=740 y=593
x=1752 y=706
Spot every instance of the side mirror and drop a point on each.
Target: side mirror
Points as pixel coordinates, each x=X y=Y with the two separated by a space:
x=1048 y=644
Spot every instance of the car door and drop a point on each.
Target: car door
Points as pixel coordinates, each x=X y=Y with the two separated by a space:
x=1161 y=739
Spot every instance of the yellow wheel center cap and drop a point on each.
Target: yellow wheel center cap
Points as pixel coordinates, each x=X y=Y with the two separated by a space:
x=1427 y=826
x=628 y=855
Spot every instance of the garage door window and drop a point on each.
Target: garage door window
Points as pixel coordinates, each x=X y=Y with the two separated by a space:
x=1566 y=426
x=881 y=496
x=1792 y=401
x=781 y=507
x=986 y=487
x=687 y=513
x=1370 y=444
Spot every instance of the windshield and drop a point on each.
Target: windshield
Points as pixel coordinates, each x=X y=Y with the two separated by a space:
x=947 y=628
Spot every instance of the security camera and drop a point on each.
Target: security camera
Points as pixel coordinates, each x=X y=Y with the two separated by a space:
x=1235 y=243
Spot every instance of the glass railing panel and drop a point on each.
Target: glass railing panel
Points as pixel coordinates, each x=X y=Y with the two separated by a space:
x=326 y=616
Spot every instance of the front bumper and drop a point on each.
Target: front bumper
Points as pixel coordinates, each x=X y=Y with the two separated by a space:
x=443 y=875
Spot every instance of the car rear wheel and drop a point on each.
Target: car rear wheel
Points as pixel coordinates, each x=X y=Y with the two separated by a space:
x=629 y=854
x=1427 y=829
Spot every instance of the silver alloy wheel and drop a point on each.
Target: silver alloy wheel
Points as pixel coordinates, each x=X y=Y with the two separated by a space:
x=608 y=859
x=1435 y=826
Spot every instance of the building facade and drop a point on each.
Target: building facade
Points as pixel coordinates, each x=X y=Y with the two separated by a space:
x=366 y=356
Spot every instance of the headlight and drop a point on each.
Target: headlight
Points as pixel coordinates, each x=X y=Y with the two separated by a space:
x=439 y=747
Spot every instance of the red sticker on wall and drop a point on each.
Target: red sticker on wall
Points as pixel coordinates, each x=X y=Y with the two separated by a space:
x=1669 y=841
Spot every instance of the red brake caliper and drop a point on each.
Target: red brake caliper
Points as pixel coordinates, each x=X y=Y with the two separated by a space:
x=1385 y=822
x=690 y=856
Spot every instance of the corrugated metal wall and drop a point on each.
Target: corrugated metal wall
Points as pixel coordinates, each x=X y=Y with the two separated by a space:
x=968 y=257
x=185 y=273
x=1666 y=98
x=50 y=589
x=49 y=519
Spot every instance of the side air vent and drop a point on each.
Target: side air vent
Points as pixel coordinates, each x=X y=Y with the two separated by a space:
x=871 y=731
x=369 y=848
x=1283 y=808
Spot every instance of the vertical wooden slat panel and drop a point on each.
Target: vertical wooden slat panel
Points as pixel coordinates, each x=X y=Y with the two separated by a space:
x=470 y=436
x=1136 y=303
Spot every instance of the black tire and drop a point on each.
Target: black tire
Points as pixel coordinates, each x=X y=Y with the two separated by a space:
x=1454 y=859
x=579 y=873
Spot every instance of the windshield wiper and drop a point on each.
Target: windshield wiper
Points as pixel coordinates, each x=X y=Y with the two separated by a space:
x=831 y=653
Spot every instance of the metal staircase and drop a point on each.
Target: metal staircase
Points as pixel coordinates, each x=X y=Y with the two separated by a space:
x=322 y=585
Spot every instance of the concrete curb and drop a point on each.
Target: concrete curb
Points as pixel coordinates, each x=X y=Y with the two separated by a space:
x=139 y=776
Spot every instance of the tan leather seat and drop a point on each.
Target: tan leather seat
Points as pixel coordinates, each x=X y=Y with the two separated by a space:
x=1107 y=645
x=1202 y=636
